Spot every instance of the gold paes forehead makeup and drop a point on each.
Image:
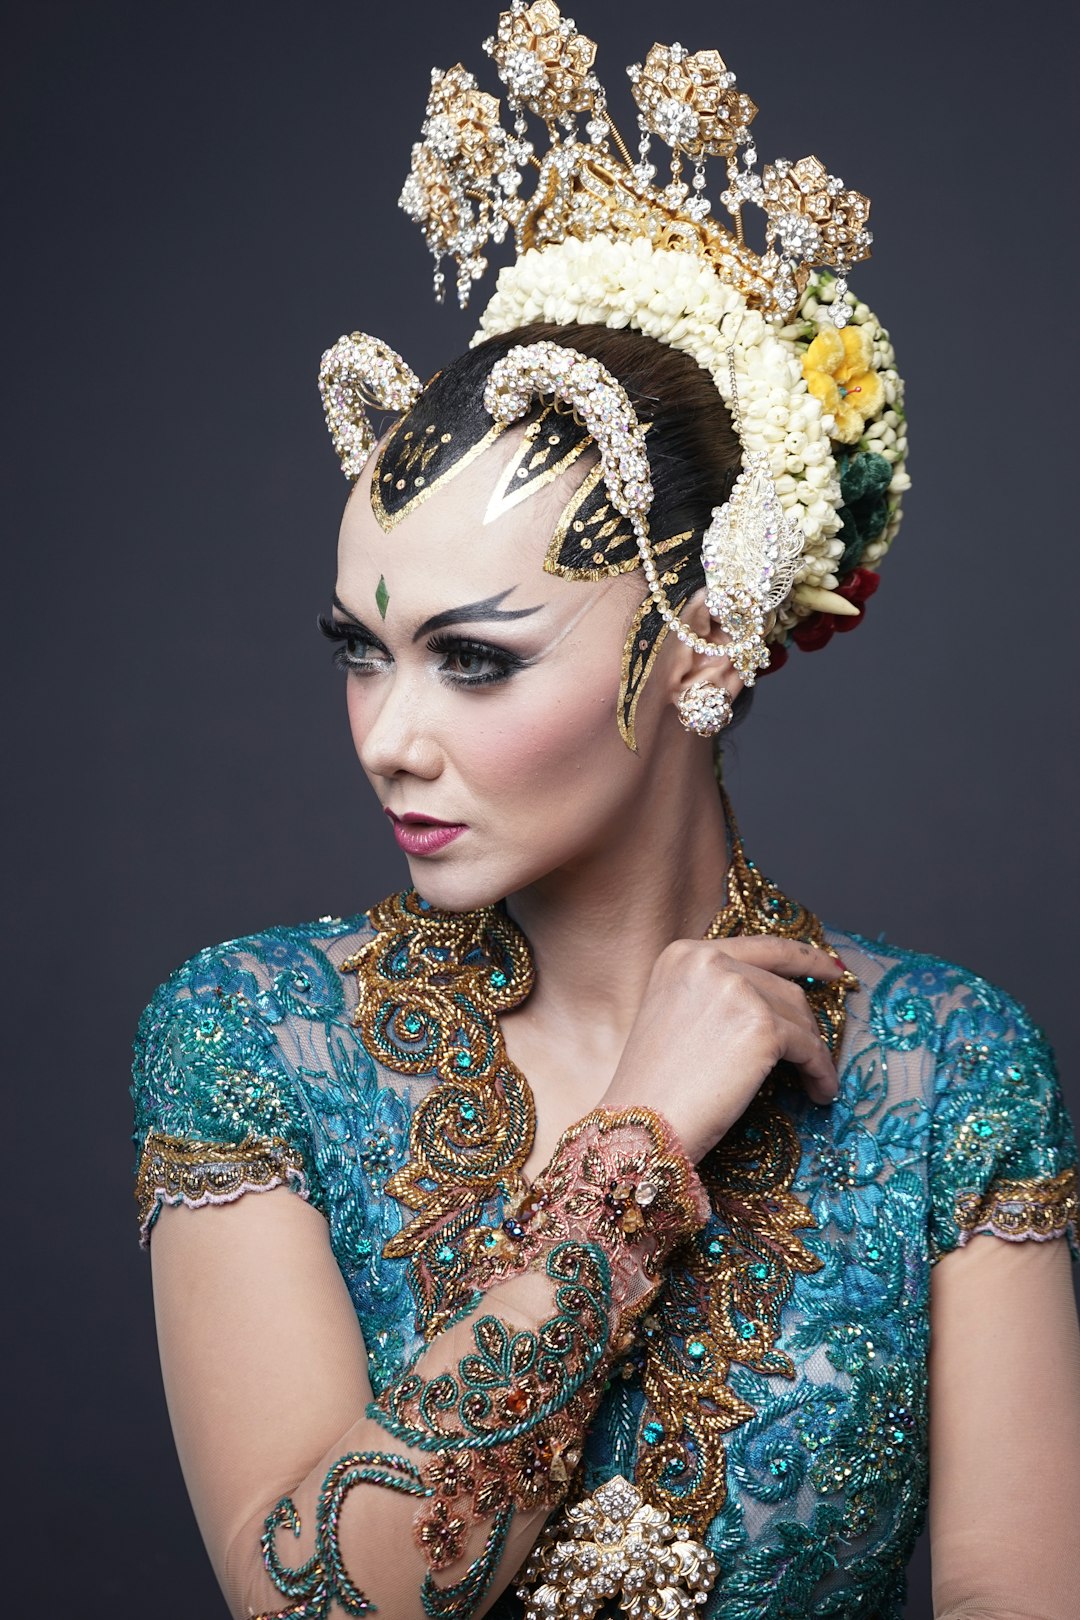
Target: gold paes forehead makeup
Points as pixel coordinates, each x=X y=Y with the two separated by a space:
x=548 y=447
x=417 y=459
x=444 y=432
x=423 y=453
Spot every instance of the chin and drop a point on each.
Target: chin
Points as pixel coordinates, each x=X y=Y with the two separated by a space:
x=449 y=890
x=469 y=885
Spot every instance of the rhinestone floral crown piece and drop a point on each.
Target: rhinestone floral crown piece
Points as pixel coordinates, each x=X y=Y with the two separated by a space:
x=465 y=184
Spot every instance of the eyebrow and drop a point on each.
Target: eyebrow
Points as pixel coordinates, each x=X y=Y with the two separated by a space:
x=488 y=609
x=470 y=613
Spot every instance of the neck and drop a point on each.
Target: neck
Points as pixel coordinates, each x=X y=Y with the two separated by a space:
x=597 y=928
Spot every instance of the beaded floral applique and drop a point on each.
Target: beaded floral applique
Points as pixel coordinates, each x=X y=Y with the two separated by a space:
x=621 y=1177
x=431 y=985
x=506 y=1424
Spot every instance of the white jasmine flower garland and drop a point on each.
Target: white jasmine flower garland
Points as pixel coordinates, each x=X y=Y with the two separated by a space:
x=674 y=297
x=886 y=434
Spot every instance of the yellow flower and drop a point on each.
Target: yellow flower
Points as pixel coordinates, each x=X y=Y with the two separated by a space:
x=838 y=367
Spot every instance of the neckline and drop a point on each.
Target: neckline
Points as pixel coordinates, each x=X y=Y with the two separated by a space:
x=431 y=986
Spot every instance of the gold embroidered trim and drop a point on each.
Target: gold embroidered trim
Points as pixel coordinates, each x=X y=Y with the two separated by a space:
x=754 y=905
x=1042 y=1207
x=430 y=987
x=174 y=1170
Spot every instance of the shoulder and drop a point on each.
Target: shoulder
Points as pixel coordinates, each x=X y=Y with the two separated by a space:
x=220 y=1056
x=1002 y=1149
x=917 y=997
x=271 y=971
x=230 y=999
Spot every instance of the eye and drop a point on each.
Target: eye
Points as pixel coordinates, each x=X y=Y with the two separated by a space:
x=474 y=663
x=354 y=647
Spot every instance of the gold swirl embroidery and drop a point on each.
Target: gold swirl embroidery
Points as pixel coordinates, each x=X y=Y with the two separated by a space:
x=724 y=1296
x=174 y=1170
x=1042 y=1207
x=431 y=986
x=722 y=1305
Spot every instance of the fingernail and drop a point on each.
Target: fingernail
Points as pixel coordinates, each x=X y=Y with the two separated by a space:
x=842 y=963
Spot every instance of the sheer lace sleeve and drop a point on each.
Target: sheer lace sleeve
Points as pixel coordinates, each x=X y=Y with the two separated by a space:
x=1004 y=1342
x=301 y=1481
x=216 y=1111
x=1002 y=1152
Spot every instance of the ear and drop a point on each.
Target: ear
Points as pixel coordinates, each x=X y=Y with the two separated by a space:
x=686 y=666
x=356 y=372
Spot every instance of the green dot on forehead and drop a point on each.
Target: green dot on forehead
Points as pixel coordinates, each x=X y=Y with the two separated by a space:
x=382 y=597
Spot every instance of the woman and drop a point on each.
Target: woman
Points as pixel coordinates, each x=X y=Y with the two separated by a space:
x=629 y=1191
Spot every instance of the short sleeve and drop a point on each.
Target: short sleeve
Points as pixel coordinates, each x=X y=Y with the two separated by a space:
x=217 y=1111
x=1003 y=1156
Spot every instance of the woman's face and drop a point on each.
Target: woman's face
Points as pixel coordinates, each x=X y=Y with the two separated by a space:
x=482 y=691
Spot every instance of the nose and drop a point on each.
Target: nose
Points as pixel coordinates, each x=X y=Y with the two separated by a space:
x=392 y=729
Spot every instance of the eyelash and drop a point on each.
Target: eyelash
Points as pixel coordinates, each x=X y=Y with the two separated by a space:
x=341 y=634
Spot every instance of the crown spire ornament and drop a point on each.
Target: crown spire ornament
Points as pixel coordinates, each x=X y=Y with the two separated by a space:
x=464 y=187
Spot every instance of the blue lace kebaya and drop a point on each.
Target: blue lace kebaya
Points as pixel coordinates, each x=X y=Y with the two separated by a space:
x=788 y=1391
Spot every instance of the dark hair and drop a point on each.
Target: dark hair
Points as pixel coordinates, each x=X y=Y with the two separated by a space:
x=694 y=451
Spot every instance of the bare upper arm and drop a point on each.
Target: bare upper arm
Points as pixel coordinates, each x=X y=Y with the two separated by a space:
x=1005 y=1431
x=262 y=1355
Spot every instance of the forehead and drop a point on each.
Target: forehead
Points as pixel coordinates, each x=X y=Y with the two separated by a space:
x=479 y=529
x=435 y=443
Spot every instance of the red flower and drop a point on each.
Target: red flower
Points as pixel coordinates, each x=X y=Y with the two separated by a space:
x=858 y=587
x=813 y=631
x=817 y=628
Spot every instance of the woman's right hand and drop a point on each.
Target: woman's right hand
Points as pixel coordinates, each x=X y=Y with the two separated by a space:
x=716 y=1018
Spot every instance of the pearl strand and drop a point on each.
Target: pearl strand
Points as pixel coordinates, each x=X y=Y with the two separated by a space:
x=688 y=637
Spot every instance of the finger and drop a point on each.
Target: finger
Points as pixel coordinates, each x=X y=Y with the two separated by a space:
x=786 y=995
x=802 y=1042
x=789 y=958
x=788 y=1001
x=808 y=1053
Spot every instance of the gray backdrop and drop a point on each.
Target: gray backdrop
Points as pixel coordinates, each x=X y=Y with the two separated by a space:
x=201 y=198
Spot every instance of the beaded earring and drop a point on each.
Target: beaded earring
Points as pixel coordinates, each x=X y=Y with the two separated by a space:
x=704 y=708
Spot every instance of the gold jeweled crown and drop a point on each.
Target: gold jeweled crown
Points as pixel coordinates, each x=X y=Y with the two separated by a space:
x=806 y=371
x=464 y=185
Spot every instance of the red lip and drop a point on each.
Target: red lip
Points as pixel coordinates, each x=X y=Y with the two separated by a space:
x=412 y=818
x=423 y=835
